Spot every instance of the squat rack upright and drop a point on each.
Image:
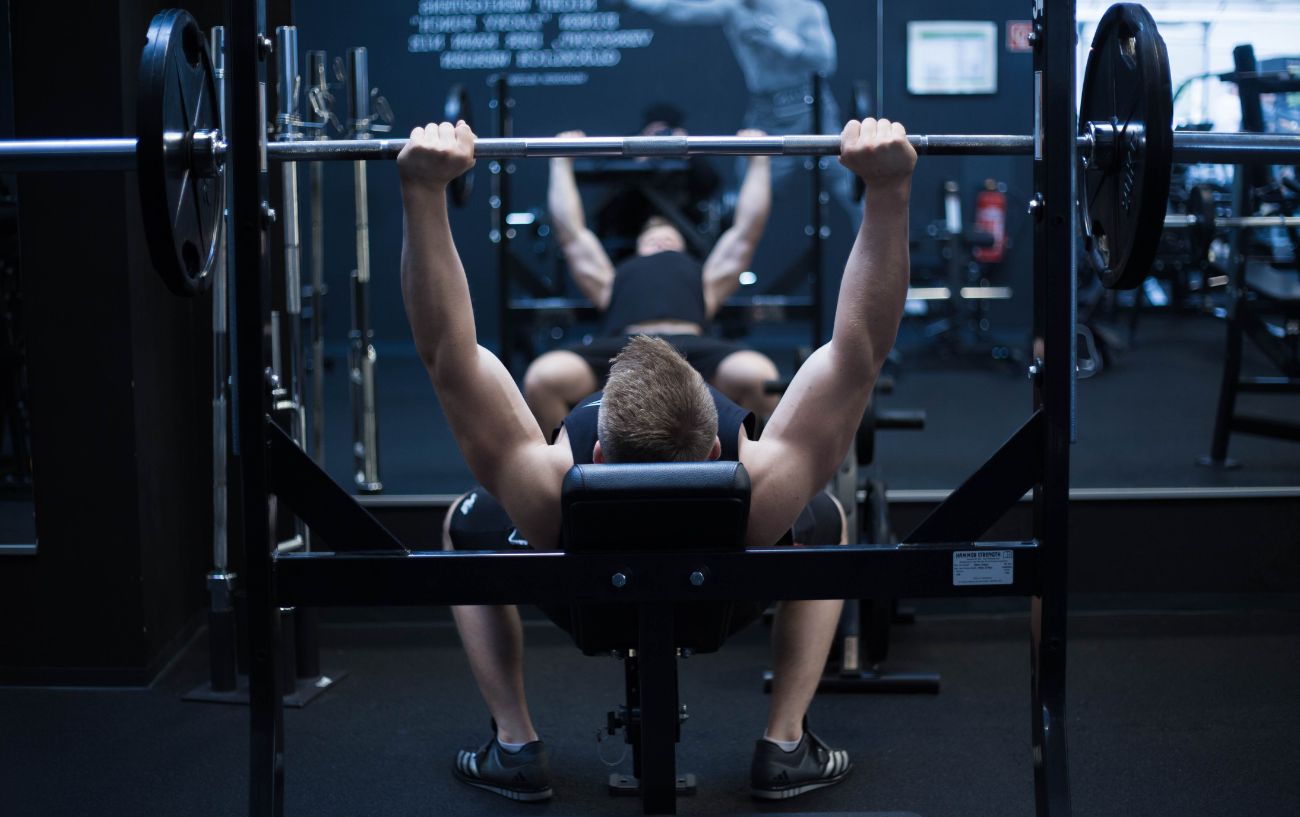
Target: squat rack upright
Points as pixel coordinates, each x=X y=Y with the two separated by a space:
x=1036 y=457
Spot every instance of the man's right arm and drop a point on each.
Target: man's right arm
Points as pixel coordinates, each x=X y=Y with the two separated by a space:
x=815 y=422
x=497 y=434
x=588 y=263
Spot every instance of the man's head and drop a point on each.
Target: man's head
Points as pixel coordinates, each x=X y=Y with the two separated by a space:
x=659 y=235
x=656 y=408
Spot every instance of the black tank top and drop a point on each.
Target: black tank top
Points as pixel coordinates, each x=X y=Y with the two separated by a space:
x=581 y=424
x=663 y=286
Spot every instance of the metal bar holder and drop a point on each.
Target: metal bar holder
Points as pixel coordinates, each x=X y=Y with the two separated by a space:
x=361 y=349
x=289 y=364
x=221 y=581
x=318 y=116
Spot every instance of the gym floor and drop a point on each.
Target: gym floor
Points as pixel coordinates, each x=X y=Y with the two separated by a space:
x=1170 y=714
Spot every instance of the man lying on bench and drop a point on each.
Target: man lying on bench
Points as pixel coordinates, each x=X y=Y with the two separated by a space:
x=654 y=409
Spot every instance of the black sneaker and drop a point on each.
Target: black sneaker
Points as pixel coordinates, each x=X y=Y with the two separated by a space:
x=524 y=775
x=777 y=774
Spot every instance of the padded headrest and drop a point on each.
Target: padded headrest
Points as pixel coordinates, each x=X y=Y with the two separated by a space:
x=655 y=506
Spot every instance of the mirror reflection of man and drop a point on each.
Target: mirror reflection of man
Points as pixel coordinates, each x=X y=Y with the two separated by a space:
x=779 y=45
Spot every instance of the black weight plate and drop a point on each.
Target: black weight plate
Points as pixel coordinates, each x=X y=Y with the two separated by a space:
x=182 y=210
x=1126 y=84
x=456 y=108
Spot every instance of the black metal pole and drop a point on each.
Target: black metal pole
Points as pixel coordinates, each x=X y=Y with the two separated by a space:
x=249 y=50
x=657 y=665
x=1053 y=392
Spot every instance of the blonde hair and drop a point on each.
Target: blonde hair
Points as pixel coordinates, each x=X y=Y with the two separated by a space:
x=656 y=408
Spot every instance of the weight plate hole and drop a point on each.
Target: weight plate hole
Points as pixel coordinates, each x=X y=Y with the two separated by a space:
x=192 y=43
x=1101 y=241
x=193 y=261
x=1128 y=50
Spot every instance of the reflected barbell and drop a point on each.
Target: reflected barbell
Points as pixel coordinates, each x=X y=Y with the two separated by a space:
x=1182 y=221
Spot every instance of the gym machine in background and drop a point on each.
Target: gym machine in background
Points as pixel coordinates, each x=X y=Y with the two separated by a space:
x=1263 y=300
x=953 y=298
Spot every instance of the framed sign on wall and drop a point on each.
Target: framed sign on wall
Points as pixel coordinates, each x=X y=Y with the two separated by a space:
x=952 y=57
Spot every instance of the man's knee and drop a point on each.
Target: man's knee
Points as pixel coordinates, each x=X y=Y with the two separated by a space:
x=748 y=367
x=822 y=522
x=559 y=372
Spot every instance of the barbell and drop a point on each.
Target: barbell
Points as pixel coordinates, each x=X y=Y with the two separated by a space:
x=1125 y=146
x=207 y=151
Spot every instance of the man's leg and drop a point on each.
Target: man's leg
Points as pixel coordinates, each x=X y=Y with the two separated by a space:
x=553 y=383
x=493 y=637
x=741 y=375
x=790 y=760
x=802 y=634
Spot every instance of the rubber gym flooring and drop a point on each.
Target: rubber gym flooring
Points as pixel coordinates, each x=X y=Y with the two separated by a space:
x=1170 y=715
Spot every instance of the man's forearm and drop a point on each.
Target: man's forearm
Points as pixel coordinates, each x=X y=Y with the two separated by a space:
x=754 y=201
x=564 y=202
x=874 y=286
x=434 y=288
x=734 y=251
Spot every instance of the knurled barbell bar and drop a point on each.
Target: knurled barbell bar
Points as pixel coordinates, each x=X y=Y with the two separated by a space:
x=206 y=150
x=1126 y=146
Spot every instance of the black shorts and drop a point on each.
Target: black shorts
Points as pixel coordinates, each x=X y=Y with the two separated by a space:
x=479 y=522
x=704 y=353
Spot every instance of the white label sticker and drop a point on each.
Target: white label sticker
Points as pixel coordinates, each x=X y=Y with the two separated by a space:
x=1038 y=116
x=982 y=567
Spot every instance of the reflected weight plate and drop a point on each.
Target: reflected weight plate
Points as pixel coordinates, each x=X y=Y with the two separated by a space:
x=458 y=107
x=182 y=209
x=1126 y=84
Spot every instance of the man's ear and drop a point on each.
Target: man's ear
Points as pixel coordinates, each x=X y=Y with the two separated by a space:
x=715 y=451
x=598 y=456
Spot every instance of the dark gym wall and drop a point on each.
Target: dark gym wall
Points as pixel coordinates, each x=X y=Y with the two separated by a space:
x=119 y=379
x=691 y=65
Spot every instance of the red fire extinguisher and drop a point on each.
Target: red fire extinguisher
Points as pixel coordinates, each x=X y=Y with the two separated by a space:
x=991 y=218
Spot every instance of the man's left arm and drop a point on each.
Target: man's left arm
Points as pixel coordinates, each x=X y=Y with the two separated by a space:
x=735 y=248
